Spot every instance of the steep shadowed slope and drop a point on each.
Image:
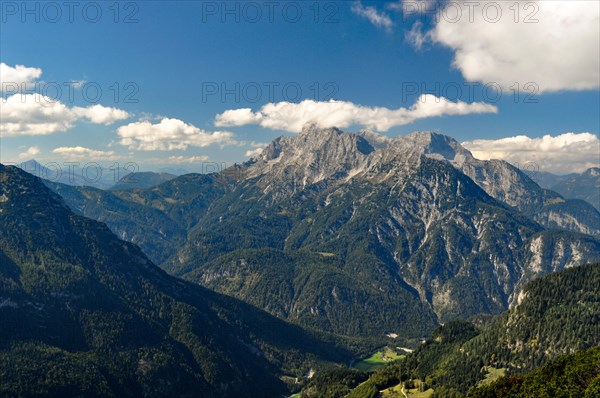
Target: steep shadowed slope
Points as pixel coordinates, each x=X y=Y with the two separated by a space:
x=84 y=313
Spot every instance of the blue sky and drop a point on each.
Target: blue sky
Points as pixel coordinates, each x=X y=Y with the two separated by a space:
x=368 y=55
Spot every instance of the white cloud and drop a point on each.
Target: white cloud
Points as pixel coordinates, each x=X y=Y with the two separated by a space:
x=101 y=114
x=35 y=114
x=252 y=153
x=568 y=152
x=80 y=153
x=30 y=153
x=187 y=159
x=169 y=134
x=18 y=75
x=377 y=18
x=292 y=117
x=561 y=51
x=416 y=37
x=242 y=116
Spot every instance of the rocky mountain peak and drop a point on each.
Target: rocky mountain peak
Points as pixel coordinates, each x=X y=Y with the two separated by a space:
x=314 y=129
x=434 y=145
x=592 y=172
x=376 y=140
x=313 y=139
x=313 y=155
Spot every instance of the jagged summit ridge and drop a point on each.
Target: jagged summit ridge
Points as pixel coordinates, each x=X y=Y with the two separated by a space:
x=331 y=152
x=325 y=147
x=333 y=156
x=312 y=156
x=435 y=145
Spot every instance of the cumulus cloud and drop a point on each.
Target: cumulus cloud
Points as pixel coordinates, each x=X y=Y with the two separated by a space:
x=377 y=18
x=554 y=44
x=17 y=75
x=30 y=153
x=238 y=117
x=35 y=114
x=252 y=153
x=82 y=153
x=101 y=114
x=568 y=152
x=292 y=117
x=170 y=134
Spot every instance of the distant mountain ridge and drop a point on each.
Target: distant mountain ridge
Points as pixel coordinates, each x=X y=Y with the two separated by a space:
x=90 y=175
x=93 y=175
x=142 y=180
x=585 y=186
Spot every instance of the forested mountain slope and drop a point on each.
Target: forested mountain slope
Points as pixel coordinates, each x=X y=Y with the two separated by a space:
x=84 y=313
x=558 y=314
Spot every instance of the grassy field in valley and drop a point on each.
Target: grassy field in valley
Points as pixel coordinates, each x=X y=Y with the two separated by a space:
x=377 y=360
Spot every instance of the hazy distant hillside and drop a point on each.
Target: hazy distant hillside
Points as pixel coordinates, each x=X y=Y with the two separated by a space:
x=584 y=186
x=142 y=180
x=90 y=175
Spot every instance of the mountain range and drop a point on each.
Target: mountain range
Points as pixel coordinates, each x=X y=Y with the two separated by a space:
x=584 y=185
x=355 y=233
x=86 y=314
x=116 y=177
x=72 y=173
